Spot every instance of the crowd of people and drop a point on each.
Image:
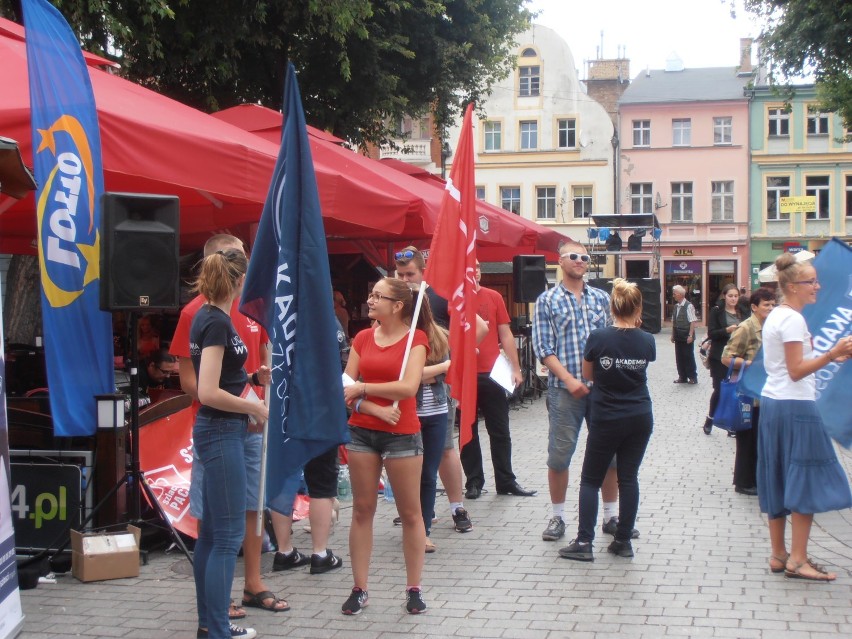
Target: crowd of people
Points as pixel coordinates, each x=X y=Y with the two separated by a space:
x=401 y=421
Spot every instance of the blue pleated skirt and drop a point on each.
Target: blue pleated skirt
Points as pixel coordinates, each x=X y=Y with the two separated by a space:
x=797 y=468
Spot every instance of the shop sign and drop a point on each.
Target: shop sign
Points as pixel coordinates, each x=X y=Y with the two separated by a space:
x=683 y=267
x=793 y=247
x=683 y=252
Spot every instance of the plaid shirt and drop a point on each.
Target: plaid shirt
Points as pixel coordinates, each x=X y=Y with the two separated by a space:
x=562 y=323
x=745 y=340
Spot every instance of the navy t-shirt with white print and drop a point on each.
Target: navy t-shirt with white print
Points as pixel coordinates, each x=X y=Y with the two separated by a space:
x=212 y=327
x=620 y=358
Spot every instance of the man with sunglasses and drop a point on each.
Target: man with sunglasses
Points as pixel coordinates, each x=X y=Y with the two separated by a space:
x=160 y=366
x=563 y=318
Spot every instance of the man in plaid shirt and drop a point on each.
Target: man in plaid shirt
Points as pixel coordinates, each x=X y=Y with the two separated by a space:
x=564 y=316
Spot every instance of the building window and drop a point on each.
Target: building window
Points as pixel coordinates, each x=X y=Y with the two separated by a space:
x=681 y=201
x=641 y=200
x=682 y=132
x=510 y=198
x=480 y=192
x=779 y=122
x=817 y=123
x=776 y=188
x=849 y=196
x=493 y=136
x=641 y=133
x=723 y=130
x=530 y=81
x=545 y=197
x=722 y=201
x=529 y=135
x=567 y=133
x=529 y=53
x=582 y=198
x=818 y=185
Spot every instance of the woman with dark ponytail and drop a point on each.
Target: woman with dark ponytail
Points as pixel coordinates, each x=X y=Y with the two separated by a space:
x=615 y=361
x=218 y=355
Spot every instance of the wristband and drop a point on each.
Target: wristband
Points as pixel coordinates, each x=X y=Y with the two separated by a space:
x=830 y=358
x=254 y=379
x=358 y=405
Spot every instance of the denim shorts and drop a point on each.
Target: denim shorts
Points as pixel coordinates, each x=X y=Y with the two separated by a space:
x=253 y=446
x=565 y=415
x=386 y=445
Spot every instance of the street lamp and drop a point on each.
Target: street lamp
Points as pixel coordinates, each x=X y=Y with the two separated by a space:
x=446 y=152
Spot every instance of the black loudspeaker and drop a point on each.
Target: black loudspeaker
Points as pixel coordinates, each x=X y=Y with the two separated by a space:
x=652 y=318
x=529 y=278
x=139 y=252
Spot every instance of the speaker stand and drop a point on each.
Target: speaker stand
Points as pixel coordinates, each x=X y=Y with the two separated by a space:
x=134 y=480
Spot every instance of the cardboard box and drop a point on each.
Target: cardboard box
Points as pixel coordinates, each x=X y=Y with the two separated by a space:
x=105 y=555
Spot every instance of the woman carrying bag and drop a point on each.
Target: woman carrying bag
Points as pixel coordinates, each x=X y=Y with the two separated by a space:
x=723 y=321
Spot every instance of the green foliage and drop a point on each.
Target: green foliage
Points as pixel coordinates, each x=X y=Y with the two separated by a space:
x=802 y=37
x=362 y=64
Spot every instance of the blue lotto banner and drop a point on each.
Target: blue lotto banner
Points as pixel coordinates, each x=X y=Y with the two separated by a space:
x=288 y=291
x=828 y=320
x=67 y=157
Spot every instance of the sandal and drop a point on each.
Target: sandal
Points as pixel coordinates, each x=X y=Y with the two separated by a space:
x=780 y=560
x=255 y=600
x=821 y=573
x=235 y=612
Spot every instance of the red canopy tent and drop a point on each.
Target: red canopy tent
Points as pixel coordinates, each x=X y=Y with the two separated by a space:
x=151 y=144
x=501 y=235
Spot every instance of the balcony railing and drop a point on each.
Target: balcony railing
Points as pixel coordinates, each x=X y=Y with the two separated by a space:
x=414 y=152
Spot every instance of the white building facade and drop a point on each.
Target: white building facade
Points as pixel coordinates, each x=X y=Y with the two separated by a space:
x=544 y=149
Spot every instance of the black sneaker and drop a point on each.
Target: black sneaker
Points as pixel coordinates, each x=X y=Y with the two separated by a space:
x=320 y=565
x=397 y=521
x=356 y=603
x=461 y=521
x=287 y=562
x=621 y=548
x=578 y=551
x=236 y=631
x=414 y=603
x=611 y=527
x=555 y=529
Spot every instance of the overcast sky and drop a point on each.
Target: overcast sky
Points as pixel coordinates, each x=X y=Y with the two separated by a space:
x=701 y=32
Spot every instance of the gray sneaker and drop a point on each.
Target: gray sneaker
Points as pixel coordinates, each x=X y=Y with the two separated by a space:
x=578 y=551
x=610 y=527
x=555 y=529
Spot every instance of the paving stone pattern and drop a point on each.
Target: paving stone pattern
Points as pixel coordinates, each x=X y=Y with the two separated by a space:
x=700 y=568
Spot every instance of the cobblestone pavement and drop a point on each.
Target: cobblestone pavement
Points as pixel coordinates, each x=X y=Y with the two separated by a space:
x=700 y=568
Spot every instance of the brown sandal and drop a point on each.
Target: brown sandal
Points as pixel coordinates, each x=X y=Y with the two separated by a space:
x=780 y=560
x=255 y=600
x=796 y=573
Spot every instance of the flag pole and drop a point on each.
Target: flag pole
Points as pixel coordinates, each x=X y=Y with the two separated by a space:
x=261 y=489
x=411 y=330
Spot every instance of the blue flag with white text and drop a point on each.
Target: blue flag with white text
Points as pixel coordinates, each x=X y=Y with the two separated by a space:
x=288 y=291
x=67 y=157
x=829 y=319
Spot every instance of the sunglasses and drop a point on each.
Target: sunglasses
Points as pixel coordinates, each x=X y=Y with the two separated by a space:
x=404 y=255
x=576 y=256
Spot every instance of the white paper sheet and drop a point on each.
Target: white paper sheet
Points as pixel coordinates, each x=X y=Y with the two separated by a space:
x=502 y=373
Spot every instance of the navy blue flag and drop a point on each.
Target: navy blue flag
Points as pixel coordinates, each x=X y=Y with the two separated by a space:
x=288 y=291
x=829 y=320
x=67 y=156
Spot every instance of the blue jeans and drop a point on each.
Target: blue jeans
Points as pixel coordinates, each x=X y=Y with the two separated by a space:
x=434 y=431
x=219 y=443
x=628 y=437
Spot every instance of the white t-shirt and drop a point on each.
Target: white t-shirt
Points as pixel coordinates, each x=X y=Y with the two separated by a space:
x=786 y=325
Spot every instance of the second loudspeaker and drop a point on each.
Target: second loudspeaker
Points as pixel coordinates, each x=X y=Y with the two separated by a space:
x=529 y=278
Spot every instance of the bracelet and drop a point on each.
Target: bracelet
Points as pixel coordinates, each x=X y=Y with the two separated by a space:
x=358 y=405
x=364 y=390
x=830 y=358
x=254 y=379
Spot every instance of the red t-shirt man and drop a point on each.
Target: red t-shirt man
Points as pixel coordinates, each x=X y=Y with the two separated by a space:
x=491 y=308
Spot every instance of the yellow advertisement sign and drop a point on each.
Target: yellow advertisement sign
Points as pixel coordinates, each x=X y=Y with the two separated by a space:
x=800 y=204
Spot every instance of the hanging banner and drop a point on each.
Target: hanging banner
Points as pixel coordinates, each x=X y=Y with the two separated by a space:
x=11 y=614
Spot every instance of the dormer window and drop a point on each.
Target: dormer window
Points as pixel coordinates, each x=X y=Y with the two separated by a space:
x=529 y=53
x=530 y=81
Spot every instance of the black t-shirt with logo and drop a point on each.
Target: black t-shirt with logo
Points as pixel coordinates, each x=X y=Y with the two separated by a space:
x=212 y=327
x=620 y=357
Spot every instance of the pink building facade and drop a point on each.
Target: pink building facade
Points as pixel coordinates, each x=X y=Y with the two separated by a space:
x=684 y=157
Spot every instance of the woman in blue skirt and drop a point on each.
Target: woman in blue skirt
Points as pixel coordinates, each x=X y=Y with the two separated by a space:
x=797 y=469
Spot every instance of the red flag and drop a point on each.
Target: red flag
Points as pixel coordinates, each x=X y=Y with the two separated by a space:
x=451 y=272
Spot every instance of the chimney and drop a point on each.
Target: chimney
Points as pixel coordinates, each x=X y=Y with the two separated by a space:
x=745 y=56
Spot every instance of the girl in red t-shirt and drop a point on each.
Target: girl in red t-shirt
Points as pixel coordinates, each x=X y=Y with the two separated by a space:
x=386 y=434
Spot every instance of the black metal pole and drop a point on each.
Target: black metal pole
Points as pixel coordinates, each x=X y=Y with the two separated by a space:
x=134 y=491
